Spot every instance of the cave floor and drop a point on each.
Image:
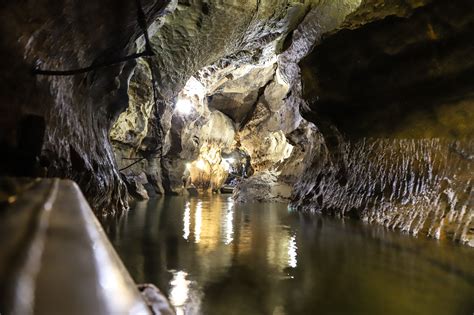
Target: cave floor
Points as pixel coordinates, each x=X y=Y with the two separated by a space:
x=210 y=255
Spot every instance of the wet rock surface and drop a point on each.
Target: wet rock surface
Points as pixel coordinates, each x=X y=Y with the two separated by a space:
x=392 y=99
x=155 y=300
x=423 y=187
x=73 y=113
x=233 y=68
x=404 y=77
x=263 y=186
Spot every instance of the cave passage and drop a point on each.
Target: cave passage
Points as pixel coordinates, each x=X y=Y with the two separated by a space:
x=226 y=132
x=278 y=157
x=211 y=255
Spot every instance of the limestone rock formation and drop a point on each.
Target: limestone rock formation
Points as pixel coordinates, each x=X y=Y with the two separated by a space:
x=57 y=125
x=132 y=125
x=232 y=69
x=358 y=108
x=263 y=186
x=391 y=93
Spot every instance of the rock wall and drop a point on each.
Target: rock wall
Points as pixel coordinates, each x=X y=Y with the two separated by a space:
x=249 y=69
x=391 y=93
x=212 y=41
x=423 y=187
x=129 y=132
x=58 y=125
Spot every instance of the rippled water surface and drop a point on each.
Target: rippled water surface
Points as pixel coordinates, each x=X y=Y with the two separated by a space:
x=211 y=256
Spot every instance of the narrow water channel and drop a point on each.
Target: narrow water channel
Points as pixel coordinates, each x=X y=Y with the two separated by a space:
x=212 y=256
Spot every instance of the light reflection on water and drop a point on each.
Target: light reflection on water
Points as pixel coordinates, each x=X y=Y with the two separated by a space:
x=187 y=221
x=229 y=219
x=292 y=252
x=264 y=259
x=179 y=292
x=198 y=222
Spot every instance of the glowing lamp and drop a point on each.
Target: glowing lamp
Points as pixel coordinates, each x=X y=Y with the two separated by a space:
x=200 y=165
x=184 y=106
x=230 y=160
x=225 y=165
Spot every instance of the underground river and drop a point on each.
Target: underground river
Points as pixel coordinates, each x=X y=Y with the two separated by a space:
x=210 y=255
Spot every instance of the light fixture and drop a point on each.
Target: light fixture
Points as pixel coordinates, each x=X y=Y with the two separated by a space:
x=200 y=164
x=184 y=106
x=230 y=160
x=194 y=87
x=225 y=165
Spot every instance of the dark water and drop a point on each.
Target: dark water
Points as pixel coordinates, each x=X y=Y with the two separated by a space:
x=211 y=256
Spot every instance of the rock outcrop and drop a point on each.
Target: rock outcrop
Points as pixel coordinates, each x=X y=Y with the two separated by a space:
x=263 y=186
x=391 y=93
x=232 y=59
x=58 y=125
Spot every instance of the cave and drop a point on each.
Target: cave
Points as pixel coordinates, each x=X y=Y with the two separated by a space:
x=237 y=157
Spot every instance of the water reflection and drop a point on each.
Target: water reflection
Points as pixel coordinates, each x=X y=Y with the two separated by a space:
x=264 y=259
x=228 y=222
x=179 y=291
x=292 y=261
x=186 y=221
x=198 y=220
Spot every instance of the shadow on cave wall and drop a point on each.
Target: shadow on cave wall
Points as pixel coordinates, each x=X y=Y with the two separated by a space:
x=397 y=77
